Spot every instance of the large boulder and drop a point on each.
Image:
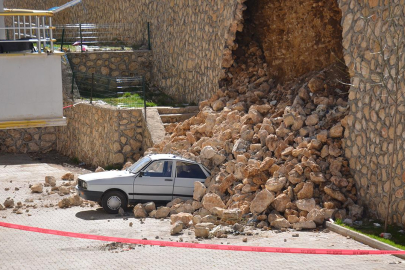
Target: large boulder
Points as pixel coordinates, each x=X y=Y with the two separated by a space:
x=162 y=212
x=280 y=202
x=212 y=200
x=306 y=204
x=199 y=190
x=316 y=215
x=262 y=200
x=202 y=230
x=149 y=207
x=139 y=211
x=185 y=218
x=276 y=184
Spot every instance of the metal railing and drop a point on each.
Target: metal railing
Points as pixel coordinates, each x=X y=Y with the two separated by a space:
x=29 y=26
x=123 y=92
x=98 y=36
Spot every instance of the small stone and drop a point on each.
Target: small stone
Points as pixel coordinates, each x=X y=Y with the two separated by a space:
x=9 y=203
x=131 y=224
x=99 y=169
x=68 y=176
x=37 y=188
x=176 y=228
x=244 y=239
x=50 y=180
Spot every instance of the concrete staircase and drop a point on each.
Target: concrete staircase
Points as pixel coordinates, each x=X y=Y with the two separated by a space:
x=171 y=116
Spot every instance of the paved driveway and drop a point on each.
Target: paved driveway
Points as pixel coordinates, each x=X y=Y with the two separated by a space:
x=29 y=250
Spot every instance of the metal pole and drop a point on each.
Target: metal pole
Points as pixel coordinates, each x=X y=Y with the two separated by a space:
x=149 y=46
x=92 y=88
x=24 y=27
x=44 y=31
x=51 y=33
x=73 y=81
x=30 y=27
x=63 y=37
x=13 y=28
x=19 y=27
x=144 y=95
x=81 y=38
x=2 y=25
x=38 y=35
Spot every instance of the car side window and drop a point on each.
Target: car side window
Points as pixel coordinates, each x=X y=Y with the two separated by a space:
x=189 y=170
x=159 y=168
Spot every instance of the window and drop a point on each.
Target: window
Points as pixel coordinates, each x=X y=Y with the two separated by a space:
x=189 y=170
x=160 y=168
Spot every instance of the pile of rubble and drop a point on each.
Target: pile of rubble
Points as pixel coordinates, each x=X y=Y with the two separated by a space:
x=275 y=152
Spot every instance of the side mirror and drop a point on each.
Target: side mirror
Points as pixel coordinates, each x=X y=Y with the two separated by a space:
x=141 y=174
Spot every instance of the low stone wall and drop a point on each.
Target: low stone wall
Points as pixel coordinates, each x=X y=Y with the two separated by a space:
x=375 y=137
x=28 y=140
x=125 y=64
x=103 y=135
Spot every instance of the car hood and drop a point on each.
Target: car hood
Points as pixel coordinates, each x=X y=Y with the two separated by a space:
x=104 y=175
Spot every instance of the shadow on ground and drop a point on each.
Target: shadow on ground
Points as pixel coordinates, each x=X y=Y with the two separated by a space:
x=100 y=214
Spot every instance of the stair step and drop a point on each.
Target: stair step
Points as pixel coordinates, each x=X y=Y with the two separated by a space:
x=176 y=117
x=174 y=110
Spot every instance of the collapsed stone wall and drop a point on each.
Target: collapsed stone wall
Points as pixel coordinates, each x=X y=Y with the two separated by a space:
x=375 y=141
x=29 y=140
x=296 y=36
x=113 y=64
x=103 y=135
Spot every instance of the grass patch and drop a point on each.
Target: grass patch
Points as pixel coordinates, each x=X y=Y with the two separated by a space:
x=368 y=229
x=131 y=100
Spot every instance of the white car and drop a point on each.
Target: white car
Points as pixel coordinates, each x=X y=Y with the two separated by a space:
x=158 y=177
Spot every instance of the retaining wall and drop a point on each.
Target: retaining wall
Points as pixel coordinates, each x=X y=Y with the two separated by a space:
x=114 y=64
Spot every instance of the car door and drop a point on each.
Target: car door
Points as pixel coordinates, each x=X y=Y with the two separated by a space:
x=186 y=174
x=155 y=182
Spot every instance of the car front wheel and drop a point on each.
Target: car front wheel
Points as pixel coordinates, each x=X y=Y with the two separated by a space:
x=112 y=201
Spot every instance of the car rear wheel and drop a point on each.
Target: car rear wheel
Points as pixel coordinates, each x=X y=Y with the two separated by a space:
x=113 y=200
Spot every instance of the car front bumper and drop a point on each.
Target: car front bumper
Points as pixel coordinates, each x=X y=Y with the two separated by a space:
x=94 y=196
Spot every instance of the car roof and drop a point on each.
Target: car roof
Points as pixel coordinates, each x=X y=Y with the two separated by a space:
x=170 y=157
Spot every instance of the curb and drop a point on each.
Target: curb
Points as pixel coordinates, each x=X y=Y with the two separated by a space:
x=363 y=238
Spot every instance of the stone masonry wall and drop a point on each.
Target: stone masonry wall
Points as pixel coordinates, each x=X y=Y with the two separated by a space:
x=28 y=140
x=113 y=64
x=102 y=136
x=375 y=137
x=188 y=39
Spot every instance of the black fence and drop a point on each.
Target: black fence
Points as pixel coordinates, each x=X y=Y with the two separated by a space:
x=124 y=92
x=93 y=37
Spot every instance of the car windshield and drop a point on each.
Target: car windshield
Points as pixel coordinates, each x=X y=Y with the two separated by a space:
x=137 y=166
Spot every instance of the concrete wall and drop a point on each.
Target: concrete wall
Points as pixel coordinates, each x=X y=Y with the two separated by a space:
x=31 y=89
x=375 y=137
x=113 y=63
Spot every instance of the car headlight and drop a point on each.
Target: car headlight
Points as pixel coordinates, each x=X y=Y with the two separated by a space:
x=82 y=184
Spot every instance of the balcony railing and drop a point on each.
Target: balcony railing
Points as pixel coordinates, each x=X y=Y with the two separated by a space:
x=28 y=26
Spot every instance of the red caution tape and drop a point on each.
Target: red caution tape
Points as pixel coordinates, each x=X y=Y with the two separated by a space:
x=67 y=106
x=202 y=246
